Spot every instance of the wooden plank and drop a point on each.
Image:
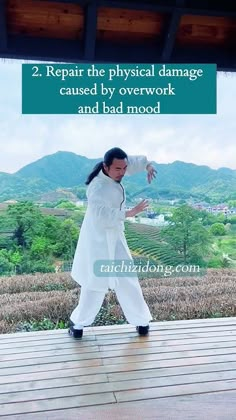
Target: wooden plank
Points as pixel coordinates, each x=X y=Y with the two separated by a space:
x=45 y=19
x=41 y=338
x=15 y=375
x=41 y=18
x=166 y=337
x=132 y=333
x=34 y=334
x=171 y=332
x=33 y=7
x=61 y=342
x=63 y=381
x=32 y=402
x=84 y=347
x=166 y=356
x=122 y=20
x=122 y=37
x=84 y=360
x=90 y=334
x=114 y=352
x=116 y=328
x=217 y=21
x=191 y=361
x=74 y=352
x=220 y=406
x=155 y=340
x=202 y=29
x=177 y=350
x=45 y=30
x=204 y=362
x=56 y=404
x=35 y=367
x=128 y=385
x=154 y=6
x=88 y=347
x=69 y=377
x=172 y=371
x=178 y=390
x=170 y=343
x=96 y=366
x=118 y=358
x=62 y=392
x=160 y=327
x=112 y=356
x=91 y=340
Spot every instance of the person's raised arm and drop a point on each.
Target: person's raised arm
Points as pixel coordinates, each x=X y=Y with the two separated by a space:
x=138 y=164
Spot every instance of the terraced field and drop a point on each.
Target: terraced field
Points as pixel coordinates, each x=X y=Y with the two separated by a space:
x=145 y=241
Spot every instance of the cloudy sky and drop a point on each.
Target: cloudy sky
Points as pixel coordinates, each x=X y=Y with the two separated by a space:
x=201 y=139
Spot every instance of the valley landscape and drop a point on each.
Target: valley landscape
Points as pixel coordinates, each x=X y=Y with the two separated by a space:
x=42 y=208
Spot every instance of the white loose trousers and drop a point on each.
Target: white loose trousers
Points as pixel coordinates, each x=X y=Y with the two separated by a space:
x=129 y=295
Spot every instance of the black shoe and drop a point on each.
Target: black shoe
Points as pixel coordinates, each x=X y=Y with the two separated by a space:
x=76 y=334
x=143 y=330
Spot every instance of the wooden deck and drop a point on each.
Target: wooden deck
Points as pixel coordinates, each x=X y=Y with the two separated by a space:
x=182 y=370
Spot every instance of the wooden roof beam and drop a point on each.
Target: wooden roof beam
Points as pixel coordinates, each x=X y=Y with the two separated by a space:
x=45 y=49
x=171 y=31
x=90 y=30
x=3 y=25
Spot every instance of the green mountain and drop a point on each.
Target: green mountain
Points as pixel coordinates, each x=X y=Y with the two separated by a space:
x=66 y=170
x=62 y=169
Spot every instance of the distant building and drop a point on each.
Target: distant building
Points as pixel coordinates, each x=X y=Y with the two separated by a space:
x=158 y=221
x=80 y=203
x=215 y=209
x=10 y=202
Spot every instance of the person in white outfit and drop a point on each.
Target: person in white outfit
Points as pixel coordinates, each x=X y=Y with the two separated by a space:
x=102 y=239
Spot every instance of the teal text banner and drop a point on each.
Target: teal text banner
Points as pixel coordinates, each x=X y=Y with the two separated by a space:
x=119 y=88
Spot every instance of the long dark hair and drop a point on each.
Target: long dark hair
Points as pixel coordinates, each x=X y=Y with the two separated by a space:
x=110 y=155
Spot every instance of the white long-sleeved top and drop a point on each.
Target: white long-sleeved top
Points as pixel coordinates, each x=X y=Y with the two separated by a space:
x=103 y=228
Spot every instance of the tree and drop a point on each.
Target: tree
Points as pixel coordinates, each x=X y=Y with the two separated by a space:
x=232 y=203
x=232 y=220
x=186 y=235
x=27 y=220
x=68 y=234
x=6 y=266
x=207 y=218
x=38 y=240
x=40 y=248
x=221 y=218
x=68 y=205
x=218 y=229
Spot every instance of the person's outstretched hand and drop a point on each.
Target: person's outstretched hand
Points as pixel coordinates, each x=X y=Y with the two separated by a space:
x=151 y=173
x=143 y=205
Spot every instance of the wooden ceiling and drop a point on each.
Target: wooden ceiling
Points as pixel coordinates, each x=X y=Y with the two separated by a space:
x=173 y=31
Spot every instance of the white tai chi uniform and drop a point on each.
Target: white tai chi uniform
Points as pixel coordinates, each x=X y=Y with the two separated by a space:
x=102 y=239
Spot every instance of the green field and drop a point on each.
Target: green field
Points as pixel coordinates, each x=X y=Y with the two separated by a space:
x=144 y=241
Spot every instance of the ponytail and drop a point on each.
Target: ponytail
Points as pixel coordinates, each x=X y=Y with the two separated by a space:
x=97 y=168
